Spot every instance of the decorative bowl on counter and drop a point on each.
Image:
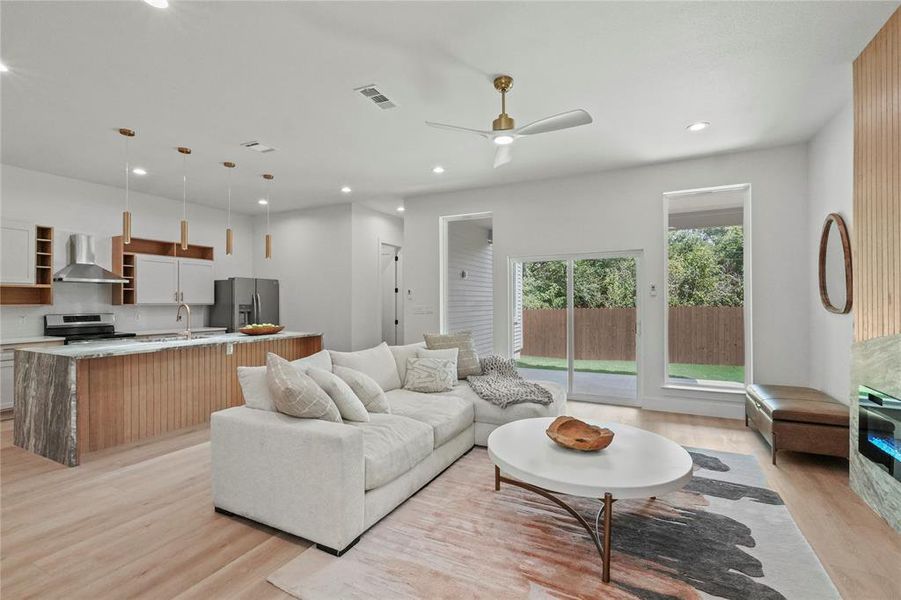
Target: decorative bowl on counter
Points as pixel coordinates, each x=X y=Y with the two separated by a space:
x=578 y=435
x=264 y=329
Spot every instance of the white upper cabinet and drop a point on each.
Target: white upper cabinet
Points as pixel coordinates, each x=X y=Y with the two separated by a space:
x=17 y=252
x=156 y=279
x=195 y=281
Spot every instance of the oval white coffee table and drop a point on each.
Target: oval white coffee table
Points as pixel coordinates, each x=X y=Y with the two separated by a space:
x=638 y=464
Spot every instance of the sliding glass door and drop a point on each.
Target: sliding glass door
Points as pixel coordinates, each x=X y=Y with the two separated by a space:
x=575 y=322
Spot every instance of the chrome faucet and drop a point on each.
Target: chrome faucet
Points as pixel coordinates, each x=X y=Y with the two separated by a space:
x=187 y=332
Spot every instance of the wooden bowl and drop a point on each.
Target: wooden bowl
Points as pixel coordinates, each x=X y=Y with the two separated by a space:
x=578 y=435
x=261 y=330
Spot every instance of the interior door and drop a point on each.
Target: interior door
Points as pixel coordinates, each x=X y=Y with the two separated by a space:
x=195 y=281
x=267 y=298
x=157 y=279
x=390 y=289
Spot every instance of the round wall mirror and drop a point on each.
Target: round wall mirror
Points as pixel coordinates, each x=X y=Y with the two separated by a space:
x=835 y=265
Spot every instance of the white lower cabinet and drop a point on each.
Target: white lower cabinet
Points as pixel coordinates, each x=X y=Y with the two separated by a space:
x=7 y=380
x=168 y=280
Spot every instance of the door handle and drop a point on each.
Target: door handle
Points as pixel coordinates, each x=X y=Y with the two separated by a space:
x=259 y=306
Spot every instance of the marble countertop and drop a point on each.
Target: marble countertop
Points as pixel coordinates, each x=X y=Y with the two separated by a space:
x=126 y=346
x=32 y=339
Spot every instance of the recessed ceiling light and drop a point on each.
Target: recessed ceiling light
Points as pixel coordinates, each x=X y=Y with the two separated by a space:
x=139 y=171
x=438 y=170
x=503 y=140
x=3 y=68
x=262 y=202
x=158 y=3
x=401 y=209
x=699 y=126
x=346 y=190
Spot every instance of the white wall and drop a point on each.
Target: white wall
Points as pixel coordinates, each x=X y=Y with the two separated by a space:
x=369 y=230
x=327 y=262
x=831 y=180
x=74 y=206
x=470 y=301
x=623 y=210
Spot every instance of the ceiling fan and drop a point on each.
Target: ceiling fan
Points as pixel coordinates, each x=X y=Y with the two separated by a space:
x=504 y=131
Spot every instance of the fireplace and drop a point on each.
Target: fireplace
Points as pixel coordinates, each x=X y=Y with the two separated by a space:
x=879 y=433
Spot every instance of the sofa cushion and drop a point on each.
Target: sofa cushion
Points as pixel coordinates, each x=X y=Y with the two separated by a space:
x=296 y=394
x=401 y=354
x=365 y=387
x=467 y=357
x=376 y=362
x=430 y=375
x=255 y=388
x=320 y=360
x=392 y=445
x=447 y=415
x=349 y=405
x=799 y=404
x=486 y=412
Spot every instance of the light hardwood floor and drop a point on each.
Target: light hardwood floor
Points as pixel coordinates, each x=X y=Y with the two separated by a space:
x=138 y=521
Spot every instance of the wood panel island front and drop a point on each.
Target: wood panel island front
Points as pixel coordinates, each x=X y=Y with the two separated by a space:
x=75 y=399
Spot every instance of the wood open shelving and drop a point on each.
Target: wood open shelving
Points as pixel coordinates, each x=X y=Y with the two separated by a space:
x=124 y=263
x=41 y=292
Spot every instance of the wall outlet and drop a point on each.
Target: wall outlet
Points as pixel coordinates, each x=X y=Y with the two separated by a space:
x=229 y=349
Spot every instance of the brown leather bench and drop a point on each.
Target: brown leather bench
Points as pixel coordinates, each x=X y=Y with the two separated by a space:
x=798 y=418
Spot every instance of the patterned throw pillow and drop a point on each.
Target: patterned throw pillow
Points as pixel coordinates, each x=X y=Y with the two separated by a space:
x=467 y=358
x=350 y=407
x=295 y=394
x=430 y=375
x=450 y=354
x=365 y=387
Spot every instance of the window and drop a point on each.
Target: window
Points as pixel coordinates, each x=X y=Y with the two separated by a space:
x=707 y=287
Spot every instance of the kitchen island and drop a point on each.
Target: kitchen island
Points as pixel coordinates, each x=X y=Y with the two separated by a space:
x=75 y=399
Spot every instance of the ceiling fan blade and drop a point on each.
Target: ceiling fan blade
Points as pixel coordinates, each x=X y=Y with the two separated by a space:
x=572 y=118
x=503 y=155
x=459 y=129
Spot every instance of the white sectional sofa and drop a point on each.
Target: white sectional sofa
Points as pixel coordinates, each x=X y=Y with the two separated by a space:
x=329 y=482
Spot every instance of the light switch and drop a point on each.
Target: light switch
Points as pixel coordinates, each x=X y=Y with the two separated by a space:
x=653 y=290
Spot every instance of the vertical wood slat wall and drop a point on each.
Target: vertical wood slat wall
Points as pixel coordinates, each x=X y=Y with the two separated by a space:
x=877 y=185
x=124 y=399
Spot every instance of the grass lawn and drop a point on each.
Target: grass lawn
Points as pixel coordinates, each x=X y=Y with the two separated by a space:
x=734 y=373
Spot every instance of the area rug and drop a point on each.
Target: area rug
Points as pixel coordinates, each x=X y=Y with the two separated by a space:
x=725 y=535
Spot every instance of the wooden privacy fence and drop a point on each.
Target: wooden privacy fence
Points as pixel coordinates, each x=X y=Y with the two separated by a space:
x=711 y=335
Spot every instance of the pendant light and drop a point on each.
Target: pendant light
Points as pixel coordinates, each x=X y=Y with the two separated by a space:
x=184 y=196
x=126 y=214
x=268 y=177
x=229 y=235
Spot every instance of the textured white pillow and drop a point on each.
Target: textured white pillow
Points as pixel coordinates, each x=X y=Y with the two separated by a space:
x=365 y=387
x=445 y=353
x=401 y=354
x=320 y=360
x=376 y=362
x=430 y=375
x=295 y=394
x=255 y=388
x=350 y=407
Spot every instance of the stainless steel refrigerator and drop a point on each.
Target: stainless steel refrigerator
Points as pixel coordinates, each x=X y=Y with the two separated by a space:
x=240 y=301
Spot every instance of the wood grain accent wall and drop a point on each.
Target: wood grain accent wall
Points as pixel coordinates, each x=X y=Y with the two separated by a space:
x=124 y=399
x=877 y=185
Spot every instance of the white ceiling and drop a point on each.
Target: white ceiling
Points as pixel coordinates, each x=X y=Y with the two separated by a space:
x=210 y=75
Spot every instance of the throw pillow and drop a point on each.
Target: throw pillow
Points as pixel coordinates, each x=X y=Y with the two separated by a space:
x=401 y=354
x=255 y=388
x=295 y=394
x=365 y=387
x=350 y=407
x=450 y=354
x=376 y=362
x=320 y=360
x=467 y=359
x=430 y=375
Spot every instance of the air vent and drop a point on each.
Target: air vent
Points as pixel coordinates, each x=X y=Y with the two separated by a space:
x=377 y=96
x=257 y=147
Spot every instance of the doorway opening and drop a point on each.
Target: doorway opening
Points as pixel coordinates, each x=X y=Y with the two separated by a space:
x=576 y=321
x=390 y=277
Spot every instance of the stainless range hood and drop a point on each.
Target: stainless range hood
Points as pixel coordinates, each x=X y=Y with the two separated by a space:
x=82 y=267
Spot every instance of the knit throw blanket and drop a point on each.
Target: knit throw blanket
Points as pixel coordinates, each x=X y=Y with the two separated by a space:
x=501 y=384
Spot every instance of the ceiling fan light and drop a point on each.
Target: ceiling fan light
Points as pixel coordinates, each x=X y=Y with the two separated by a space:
x=502 y=140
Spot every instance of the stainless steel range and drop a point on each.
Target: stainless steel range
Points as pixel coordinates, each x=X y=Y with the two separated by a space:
x=83 y=328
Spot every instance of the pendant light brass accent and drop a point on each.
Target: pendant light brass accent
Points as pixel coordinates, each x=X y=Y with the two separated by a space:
x=229 y=234
x=268 y=177
x=126 y=214
x=503 y=83
x=184 y=196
